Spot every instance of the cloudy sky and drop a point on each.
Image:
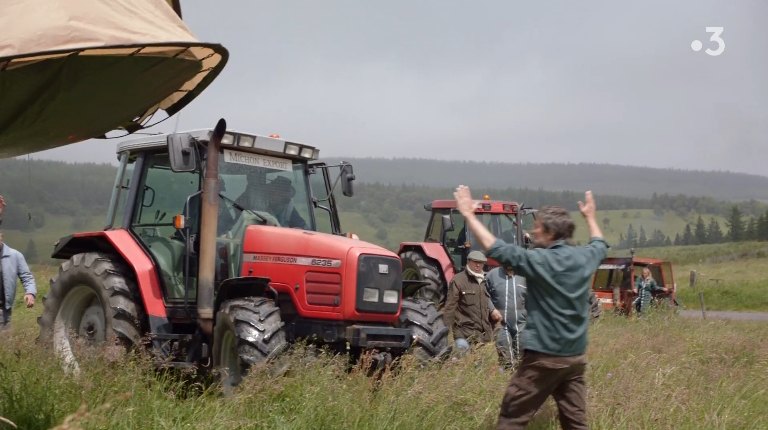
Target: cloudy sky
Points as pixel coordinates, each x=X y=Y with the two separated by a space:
x=561 y=81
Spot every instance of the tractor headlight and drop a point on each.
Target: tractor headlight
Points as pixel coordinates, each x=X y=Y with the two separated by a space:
x=306 y=152
x=370 y=295
x=228 y=139
x=391 y=296
x=246 y=141
x=291 y=149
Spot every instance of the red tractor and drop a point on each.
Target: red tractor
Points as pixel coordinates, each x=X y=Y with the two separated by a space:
x=614 y=282
x=223 y=248
x=447 y=242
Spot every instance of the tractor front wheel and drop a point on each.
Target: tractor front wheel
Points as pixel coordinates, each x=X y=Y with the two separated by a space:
x=417 y=267
x=430 y=335
x=92 y=303
x=248 y=331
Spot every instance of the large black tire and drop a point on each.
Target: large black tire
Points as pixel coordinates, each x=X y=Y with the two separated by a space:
x=248 y=331
x=430 y=335
x=92 y=303
x=417 y=267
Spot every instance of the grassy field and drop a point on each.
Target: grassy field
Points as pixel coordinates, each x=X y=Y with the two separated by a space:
x=658 y=372
x=662 y=371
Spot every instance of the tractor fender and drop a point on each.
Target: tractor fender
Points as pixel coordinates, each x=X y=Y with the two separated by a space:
x=120 y=242
x=246 y=286
x=434 y=251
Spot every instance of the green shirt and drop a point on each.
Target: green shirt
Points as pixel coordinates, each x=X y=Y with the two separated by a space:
x=558 y=292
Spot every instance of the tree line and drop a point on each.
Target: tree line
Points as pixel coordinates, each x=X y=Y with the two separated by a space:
x=40 y=191
x=602 y=179
x=738 y=228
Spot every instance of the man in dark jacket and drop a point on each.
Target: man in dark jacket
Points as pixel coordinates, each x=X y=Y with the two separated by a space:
x=468 y=312
x=555 y=335
x=508 y=293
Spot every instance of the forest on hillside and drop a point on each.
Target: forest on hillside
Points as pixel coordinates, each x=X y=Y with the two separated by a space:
x=50 y=199
x=603 y=179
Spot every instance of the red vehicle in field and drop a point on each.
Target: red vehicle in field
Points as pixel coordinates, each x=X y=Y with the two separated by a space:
x=614 y=282
x=223 y=248
x=443 y=253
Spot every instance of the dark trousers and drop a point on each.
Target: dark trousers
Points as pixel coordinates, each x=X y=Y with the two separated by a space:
x=539 y=376
x=5 y=317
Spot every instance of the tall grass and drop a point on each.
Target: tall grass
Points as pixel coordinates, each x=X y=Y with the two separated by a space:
x=657 y=372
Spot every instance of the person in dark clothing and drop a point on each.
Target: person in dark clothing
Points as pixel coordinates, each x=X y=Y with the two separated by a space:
x=555 y=336
x=254 y=197
x=280 y=203
x=508 y=292
x=468 y=312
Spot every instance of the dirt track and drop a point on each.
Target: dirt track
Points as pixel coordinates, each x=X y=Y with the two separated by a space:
x=727 y=315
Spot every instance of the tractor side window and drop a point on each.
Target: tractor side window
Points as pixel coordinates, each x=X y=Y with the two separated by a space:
x=435 y=229
x=602 y=280
x=320 y=191
x=528 y=219
x=667 y=279
x=121 y=194
x=161 y=197
x=455 y=240
x=508 y=228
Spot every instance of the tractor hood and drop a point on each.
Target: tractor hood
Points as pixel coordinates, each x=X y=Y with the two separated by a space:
x=72 y=70
x=326 y=276
x=280 y=243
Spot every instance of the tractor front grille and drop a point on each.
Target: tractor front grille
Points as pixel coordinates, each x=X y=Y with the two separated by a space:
x=379 y=284
x=323 y=289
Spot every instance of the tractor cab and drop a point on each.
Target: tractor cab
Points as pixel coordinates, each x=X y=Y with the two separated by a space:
x=447 y=242
x=261 y=181
x=614 y=281
x=446 y=226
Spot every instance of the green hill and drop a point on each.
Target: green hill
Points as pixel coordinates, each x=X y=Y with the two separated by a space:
x=603 y=179
x=48 y=199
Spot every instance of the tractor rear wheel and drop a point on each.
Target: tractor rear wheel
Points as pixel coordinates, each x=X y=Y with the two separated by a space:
x=92 y=302
x=248 y=331
x=430 y=335
x=417 y=267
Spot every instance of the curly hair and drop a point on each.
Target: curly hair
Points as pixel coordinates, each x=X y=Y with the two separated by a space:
x=557 y=221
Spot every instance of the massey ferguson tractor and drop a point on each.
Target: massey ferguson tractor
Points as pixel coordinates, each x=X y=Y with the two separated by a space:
x=447 y=243
x=614 y=282
x=223 y=247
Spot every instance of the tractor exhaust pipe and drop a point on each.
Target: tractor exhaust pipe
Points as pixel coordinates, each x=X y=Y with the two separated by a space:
x=209 y=215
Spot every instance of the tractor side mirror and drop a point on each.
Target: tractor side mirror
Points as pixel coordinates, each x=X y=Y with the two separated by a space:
x=181 y=150
x=347 y=176
x=447 y=223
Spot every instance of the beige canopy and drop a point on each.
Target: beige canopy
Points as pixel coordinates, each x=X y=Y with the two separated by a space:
x=71 y=70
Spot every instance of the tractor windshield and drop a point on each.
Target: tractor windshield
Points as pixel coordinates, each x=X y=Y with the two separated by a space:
x=280 y=190
x=503 y=226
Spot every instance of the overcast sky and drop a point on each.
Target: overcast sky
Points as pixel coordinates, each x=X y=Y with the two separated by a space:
x=562 y=81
